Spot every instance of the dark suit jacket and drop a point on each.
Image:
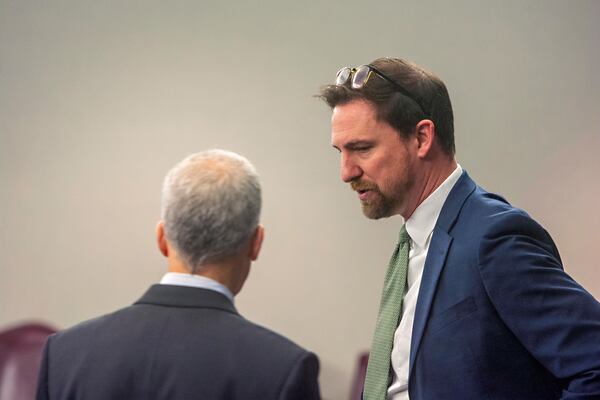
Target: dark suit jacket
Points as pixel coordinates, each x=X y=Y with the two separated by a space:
x=175 y=343
x=497 y=317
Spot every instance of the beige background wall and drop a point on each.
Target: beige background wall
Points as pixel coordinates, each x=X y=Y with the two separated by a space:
x=98 y=99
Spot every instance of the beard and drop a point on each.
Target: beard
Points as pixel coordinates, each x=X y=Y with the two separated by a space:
x=383 y=204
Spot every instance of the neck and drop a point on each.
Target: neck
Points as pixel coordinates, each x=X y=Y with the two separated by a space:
x=230 y=273
x=435 y=174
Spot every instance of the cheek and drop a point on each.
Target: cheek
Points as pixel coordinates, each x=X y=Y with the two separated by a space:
x=376 y=166
x=393 y=175
x=371 y=172
x=381 y=174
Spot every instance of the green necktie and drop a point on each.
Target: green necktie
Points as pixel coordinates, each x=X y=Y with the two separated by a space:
x=377 y=378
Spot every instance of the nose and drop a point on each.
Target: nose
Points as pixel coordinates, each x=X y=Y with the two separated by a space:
x=349 y=170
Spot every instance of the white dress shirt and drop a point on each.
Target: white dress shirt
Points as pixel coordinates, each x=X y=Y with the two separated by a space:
x=179 y=279
x=420 y=228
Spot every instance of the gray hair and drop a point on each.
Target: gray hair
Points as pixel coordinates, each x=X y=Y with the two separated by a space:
x=210 y=206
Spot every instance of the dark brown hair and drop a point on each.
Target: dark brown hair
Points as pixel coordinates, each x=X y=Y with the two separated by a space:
x=400 y=111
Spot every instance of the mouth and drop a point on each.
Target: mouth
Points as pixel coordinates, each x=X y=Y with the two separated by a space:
x=365 y=190
x=364 y=194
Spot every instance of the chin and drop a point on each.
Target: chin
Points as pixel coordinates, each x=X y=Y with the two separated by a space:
x=375 y=213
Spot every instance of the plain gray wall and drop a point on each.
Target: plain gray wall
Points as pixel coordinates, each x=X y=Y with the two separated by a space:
x=98 y=99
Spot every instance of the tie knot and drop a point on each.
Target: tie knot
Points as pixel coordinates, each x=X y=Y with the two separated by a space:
x=404 y=237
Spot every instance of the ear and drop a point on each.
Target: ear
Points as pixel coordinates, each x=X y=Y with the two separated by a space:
x=256 y=242
x=161 y=241
x=425 y=134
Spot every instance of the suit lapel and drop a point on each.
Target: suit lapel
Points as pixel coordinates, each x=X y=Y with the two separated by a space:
x=436 y=259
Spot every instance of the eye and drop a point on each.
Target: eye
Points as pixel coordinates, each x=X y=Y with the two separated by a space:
x=360 y=147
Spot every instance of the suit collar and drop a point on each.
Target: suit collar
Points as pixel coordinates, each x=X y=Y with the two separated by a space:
x=193 y=280
x=182 y=296
x=455 y=201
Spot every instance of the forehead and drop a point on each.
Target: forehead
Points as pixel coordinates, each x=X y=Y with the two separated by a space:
x=356 y=120
x=356 y=112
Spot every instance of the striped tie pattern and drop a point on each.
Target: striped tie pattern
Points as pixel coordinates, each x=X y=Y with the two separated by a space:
x=394 y=286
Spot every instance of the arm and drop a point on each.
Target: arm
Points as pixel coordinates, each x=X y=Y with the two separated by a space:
x=555 y=318
x=42 y=386
x=301 y=382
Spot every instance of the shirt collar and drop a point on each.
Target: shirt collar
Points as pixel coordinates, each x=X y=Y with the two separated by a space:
x=421 y=223
x=191 y=280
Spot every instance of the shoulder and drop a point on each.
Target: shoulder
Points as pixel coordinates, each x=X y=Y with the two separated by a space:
x=87 y=330
x=294 y=368
x=263 y=346
x=501 y=233
x=271 y=357
x=275 y=342
x=493 y=214
x=498 y=218
x=487 y=223
x=469 y=209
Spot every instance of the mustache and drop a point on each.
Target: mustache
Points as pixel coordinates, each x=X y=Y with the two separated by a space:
x=363 y=185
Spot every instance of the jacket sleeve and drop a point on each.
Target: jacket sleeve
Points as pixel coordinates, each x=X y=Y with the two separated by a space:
x=302 y=380
x=554 y=318
x=42 y=385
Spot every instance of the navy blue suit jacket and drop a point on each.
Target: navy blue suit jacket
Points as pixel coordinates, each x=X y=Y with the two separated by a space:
x=175 y=343
x=497 y=317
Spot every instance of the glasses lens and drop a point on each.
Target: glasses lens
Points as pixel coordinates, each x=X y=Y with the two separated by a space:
x=361 y=76
x=342 y=76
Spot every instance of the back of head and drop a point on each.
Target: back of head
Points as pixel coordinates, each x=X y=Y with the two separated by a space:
x=428 y=99
x=211 y=205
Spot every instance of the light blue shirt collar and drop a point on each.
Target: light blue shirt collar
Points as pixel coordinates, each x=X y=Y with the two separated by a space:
x=191 y=280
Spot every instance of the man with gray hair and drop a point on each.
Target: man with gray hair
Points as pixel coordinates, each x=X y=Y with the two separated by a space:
x=184 y=338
